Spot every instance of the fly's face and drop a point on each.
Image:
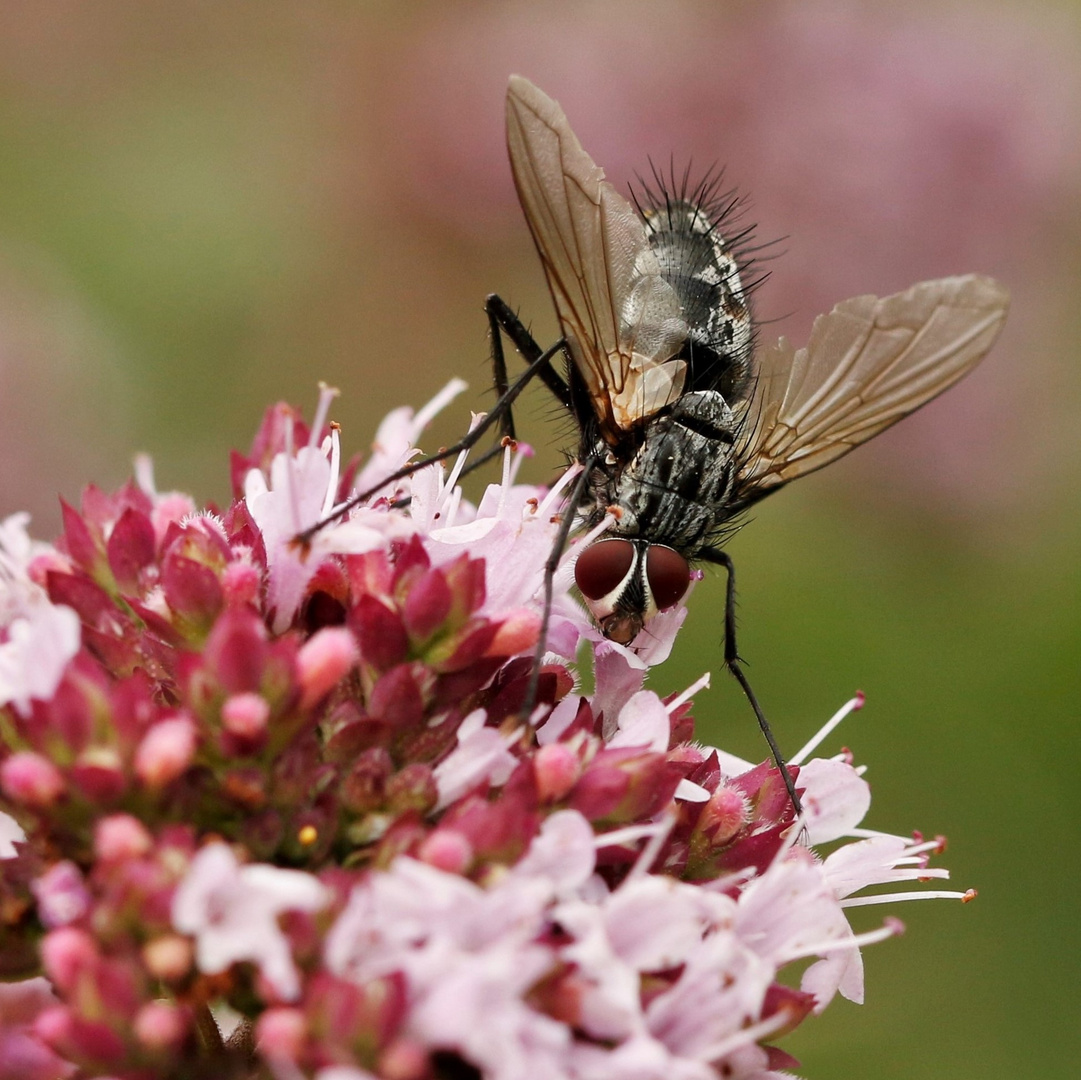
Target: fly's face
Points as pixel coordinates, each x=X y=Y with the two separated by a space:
x=626 y=582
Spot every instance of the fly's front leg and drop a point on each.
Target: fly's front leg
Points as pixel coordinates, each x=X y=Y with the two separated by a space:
x=503 y=320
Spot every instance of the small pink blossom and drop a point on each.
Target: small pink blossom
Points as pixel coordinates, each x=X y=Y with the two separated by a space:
x=11 y=833
x=245 y=715
x=40 y=644
x=323 y=662
x=62 y=895
x=121 y=836
x=159 y=1025
x=166 y=751
x=31 y=779
x=481 y=755
x=232 y=911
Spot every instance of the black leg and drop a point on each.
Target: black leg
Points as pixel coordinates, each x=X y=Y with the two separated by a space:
x=732 y=661
x=502 y=317
x=566 y=524
x=502 y=320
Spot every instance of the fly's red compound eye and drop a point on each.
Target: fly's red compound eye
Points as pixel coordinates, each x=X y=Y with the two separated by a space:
x=602 y=566
x=668 y=574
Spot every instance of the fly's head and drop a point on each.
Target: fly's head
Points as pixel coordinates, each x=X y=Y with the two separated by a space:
x=625 y=582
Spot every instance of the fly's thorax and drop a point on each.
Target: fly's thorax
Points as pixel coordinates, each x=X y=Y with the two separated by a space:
x=625 y=582
x=676 y=486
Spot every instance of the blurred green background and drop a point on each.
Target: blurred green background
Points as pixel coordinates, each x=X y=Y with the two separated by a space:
x=207 y=207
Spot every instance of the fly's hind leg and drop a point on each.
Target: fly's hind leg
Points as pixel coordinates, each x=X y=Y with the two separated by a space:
x=733 y=662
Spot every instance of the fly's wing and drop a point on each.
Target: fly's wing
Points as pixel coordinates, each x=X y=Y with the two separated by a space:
x=621 y=319
x=869 y=362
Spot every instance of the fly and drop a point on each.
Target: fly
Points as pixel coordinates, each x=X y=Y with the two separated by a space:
x=681 y=426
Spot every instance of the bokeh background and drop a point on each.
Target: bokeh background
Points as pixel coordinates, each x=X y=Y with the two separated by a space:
x=207 y=207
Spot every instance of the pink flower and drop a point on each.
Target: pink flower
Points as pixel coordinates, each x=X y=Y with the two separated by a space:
x=333 y=783
x=481 y=755
x=40 y=644
x=11 y=833
x=232 y=911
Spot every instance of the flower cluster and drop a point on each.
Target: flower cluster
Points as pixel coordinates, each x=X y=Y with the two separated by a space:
x=302 y=786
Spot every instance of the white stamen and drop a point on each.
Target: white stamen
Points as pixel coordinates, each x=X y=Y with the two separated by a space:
x=291 y=479
x=897 y=897
x=856 y=941
x=335 y=470
x=555 y=493
x=504 y=480
x=701 y=684
x=628 y=835
x=144 y=474
x=459 y=461
x=647 y=855
x=808 y=748
x=744 y=1037
x=523 y=451
x=326 y=395
x=441 y=400
x=451 y=508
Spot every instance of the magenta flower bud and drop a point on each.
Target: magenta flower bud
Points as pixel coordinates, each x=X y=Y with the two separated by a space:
x=281 y=1033
x=624 y=784
x=515 y=634
x=31 y=780
x=398 y=697
x=465 y=576
x=53 y=1026
x=78 y=1039
x=464 y=647
x=130 y=548
x=447 y=849
x=236 y=651
x=168 y=957
x=323 y=660
x=723 y=816
x=121 y=838
x=161 y=1025
x=165 y=752
x=192 y=591
x=380 y=632
x=246 y=716
x=240 y=582
x=61 y=894
x=65 y=954
x=404 y=1059
x=427 y=605
x=99 y=774
x=83 y=543
x=556 y=768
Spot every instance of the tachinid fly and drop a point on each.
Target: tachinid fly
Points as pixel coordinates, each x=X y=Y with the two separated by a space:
x=680 y=429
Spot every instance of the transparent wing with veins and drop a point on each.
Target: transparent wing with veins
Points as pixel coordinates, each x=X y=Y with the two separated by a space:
x=869 y=363
x=622 y=321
